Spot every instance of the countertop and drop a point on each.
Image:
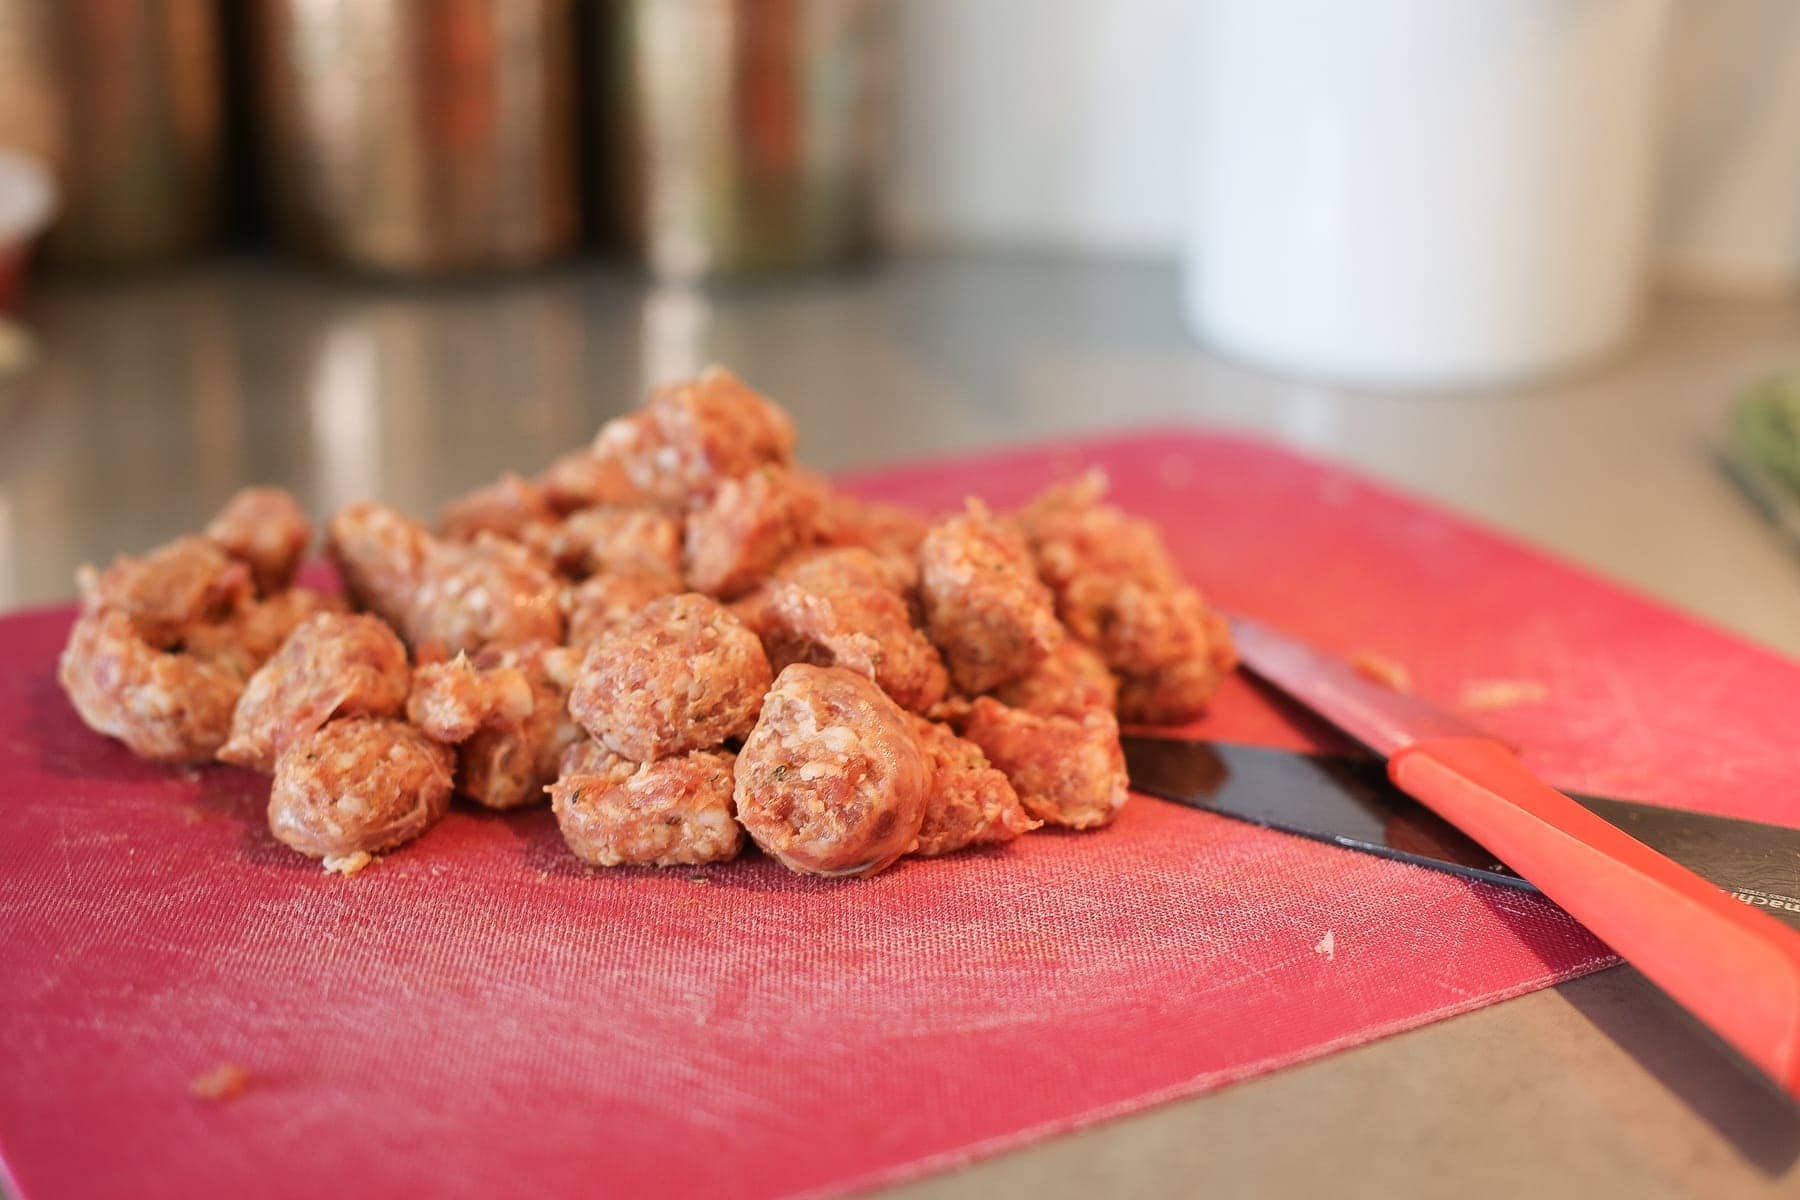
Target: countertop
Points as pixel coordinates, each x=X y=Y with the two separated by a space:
x=152 y=398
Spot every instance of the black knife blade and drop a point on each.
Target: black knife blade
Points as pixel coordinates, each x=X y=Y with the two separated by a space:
x=1348 y=801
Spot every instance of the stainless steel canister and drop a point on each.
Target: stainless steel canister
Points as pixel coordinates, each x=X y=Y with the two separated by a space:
x=742 y=136
x=419 y=136
x=122 y=99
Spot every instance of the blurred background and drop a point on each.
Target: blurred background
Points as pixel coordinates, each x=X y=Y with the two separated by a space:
x=709 y=137
x=391 y=247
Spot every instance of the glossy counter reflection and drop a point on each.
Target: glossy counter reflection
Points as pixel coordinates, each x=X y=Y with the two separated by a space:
x=153 y=399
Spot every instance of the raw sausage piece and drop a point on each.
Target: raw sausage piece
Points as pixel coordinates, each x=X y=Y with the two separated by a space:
x=690 y=437
x=971 y=803
x=1118 y=590
x=584 y=756
x=599 y=604
x=617 y=540
x=720 y=427
x=633 y=446
x=506 y=508
x=1068 y=682
x=952 y=711
x=675 y=811
x=887 y=529
x=750 y=524
x=265 y=529
x=380 y=554
x=1145 y=624
x=1115 y=585
x=683 y=674
x=1067 y=772
x=358 y=786
x=1180 y=691
x=186 y=582
x=840 y=567
x=840 y=608
x=583 y=479
x=507 y=764
x=451 y=700
x=334 y=665
x=868 y=632
x=169 y=707
x=488 y=592
x=460 y=595
x=247 y=638
x=832 y=781
x=985 y=606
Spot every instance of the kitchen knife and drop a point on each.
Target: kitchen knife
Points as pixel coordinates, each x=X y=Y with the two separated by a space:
x=1348 y=801
x=1735 y=968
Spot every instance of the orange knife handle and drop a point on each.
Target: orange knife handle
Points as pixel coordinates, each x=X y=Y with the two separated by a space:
x=1735 y=968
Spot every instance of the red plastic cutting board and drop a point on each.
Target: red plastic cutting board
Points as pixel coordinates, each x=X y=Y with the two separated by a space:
x=479 y=1014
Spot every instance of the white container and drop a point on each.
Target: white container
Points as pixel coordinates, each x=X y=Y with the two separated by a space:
x=1731 y=163
x=1430 y=193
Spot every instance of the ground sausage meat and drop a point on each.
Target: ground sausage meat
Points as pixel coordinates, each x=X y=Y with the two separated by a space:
x=971 y=803
x=984 y=604
x=608 y=630
x=507 y=764
x=507 y=508
x=1067 y=682
x=265 y=529
x=583 y=479
x=683 y=674
x=750 y=524
x=832 y=781
x=487 y=592
x=380 y=554
x=358 y=786
x=1180 y=691
x=451 y=700
x=851 y=567
x=1067 y=772
x=613 y=539
x=1118 y=590
x=690 y=437
x=169 y=707
x=599 y=604
x=887 y=529
x=187 y=582
x=334 y=665
x=461 y=596
x=842 y=608
x=247 y=638
x=672 y=812
x=1114 y=582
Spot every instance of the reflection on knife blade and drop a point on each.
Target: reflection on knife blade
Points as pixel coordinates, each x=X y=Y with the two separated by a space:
x=1349 y=802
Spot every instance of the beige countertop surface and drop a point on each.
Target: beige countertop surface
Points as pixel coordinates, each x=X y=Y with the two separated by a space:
x=152 y=398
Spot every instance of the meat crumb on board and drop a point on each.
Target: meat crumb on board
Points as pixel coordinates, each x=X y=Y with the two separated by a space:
x=682 y=636
x=346 y=864
x=1378 y=668
x=1489 y=695
x=222 y=1082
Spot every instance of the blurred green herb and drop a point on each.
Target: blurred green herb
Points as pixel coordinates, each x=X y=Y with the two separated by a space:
x=1765 y=427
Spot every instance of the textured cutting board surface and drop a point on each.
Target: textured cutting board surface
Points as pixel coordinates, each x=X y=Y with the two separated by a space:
x=479 y=1014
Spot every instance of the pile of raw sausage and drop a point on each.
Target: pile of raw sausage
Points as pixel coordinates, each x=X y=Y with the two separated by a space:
x=677 y=635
